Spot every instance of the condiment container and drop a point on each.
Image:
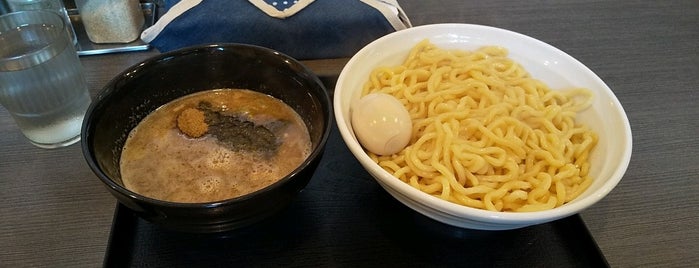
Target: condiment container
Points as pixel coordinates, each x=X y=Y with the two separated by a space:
x=111 y=21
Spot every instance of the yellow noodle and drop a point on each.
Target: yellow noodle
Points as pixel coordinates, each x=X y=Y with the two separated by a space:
x=485 y=133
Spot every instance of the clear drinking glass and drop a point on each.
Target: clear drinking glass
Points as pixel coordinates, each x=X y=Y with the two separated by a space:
x=42 y=83
x=50 y=5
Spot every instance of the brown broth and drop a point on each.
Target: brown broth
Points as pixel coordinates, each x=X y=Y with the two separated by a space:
x=160 y=162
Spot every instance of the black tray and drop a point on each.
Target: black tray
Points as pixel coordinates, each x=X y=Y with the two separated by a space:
x=344 y=218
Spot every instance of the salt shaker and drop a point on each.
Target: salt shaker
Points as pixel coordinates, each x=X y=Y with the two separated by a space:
x=111 y=21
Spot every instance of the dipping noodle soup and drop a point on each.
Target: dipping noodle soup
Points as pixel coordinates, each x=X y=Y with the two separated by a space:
x=485 y=133
x=213 y=145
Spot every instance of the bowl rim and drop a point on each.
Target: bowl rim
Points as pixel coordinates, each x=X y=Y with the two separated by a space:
x=463 y=211
x=108 y=89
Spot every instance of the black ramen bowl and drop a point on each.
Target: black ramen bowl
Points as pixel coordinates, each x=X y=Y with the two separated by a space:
x=144 y=87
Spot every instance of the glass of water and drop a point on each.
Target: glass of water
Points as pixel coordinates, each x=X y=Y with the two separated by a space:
x=42 y=83
x=50 y=5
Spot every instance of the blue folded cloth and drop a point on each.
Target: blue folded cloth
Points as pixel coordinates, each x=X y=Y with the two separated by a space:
x=303 y=29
